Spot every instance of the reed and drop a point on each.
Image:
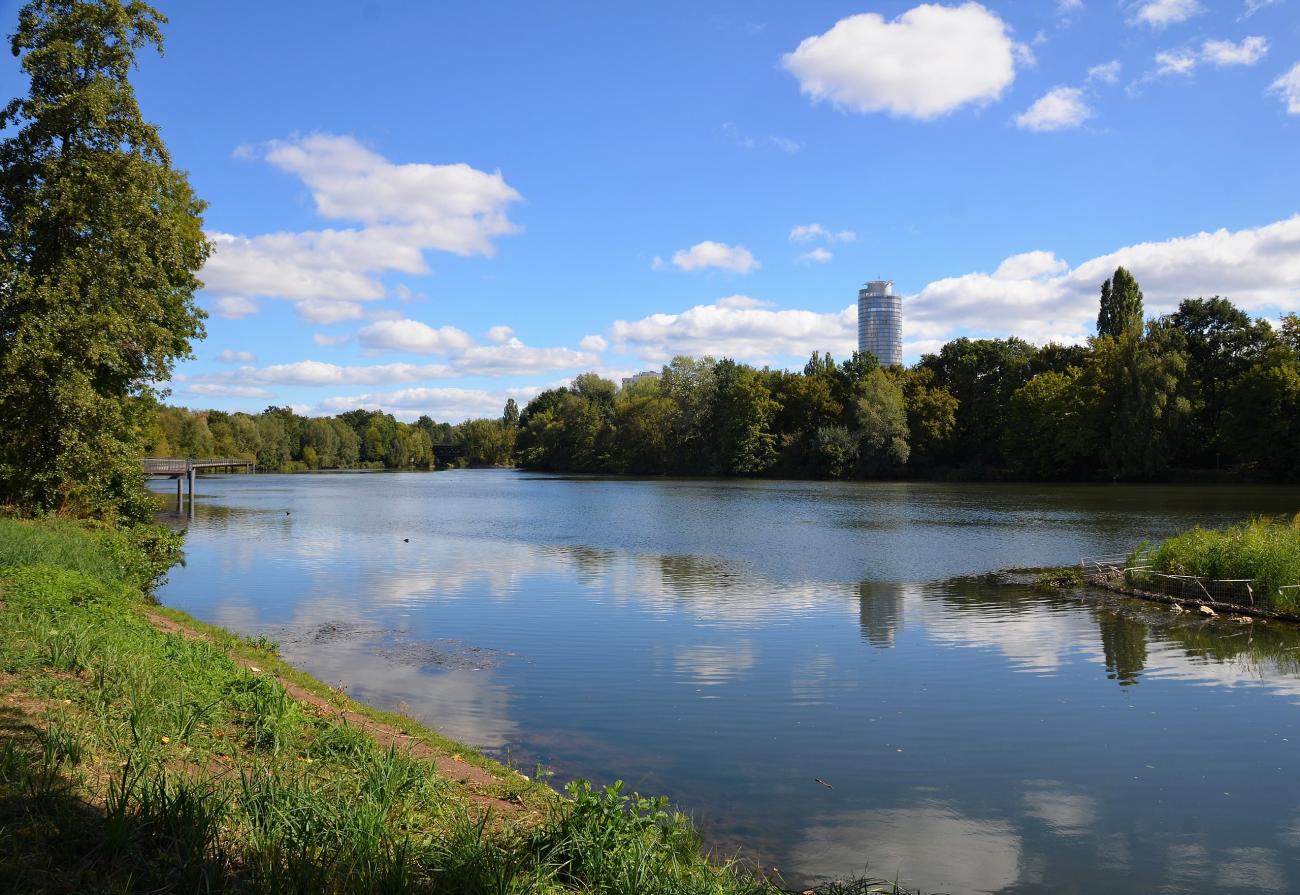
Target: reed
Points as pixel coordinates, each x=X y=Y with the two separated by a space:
x=1265 y=550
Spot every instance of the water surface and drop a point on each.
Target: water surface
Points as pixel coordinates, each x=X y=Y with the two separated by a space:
x=726 y=642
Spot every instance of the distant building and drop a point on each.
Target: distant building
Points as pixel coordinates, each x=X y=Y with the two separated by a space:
x=638 y=377
x=880 y=322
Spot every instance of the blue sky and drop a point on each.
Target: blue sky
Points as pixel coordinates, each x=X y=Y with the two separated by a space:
x=432 y=207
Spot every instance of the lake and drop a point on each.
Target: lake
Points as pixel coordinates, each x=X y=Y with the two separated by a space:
x=725 y=642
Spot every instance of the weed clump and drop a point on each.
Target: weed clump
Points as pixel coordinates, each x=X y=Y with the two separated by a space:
x=1265 y=551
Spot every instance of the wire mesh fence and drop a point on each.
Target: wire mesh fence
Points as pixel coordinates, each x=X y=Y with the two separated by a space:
x=1133 y=570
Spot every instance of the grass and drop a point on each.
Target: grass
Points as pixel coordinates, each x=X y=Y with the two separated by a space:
x=1265 y=550
x=133 y=759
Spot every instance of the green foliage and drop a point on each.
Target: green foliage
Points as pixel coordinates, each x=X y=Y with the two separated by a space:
x=1121 y=306
x=1264 y=550
x=1050 y=432
x=100 y=239
x=882 y=418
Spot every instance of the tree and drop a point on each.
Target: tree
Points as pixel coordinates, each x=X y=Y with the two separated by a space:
x=743 y=415
x=510 y=416
x=1265 y=416
x=1221 y=343
x=100 y=240
x=981 y=374
x=1049 y=431
x=882 y=417
x=1134 y=381
x=1121 y=305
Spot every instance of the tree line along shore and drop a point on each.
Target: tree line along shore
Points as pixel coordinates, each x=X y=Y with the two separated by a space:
x=1199 y=393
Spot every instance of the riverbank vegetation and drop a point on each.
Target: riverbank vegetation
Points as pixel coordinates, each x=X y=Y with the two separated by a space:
x=137 y=758
x=1263 y=552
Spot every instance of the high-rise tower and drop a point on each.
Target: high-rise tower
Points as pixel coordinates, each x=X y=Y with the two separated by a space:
x=880 y=322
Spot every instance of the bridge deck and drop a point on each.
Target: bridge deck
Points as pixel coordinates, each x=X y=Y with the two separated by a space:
x=176 y=467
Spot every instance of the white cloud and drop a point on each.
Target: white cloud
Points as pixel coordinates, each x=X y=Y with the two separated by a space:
x=1225 y=52
x=405 y=210
x=1107 y=72
x=440 y=403
x=736 y=259
x=1035 y=295
x=509 y=358
x=315 y=310
x=785 y=144
x=1029 y=266
x=326 y=340
x=1065 y=7
x=500 y=334
x=1061 y=108
x=1163 y=13
x=810 y=232
x=318 y=373
x=738 y=327
x=1219 y=53
x=514 y=358
x=235 y=307
x=1254 y=6
x=230 y=356
x=593 y=343
x=819 y=255
x=1175 y=62
x=216 y=390
x=1288 y=87
x=413 y=336
x=1257 y=268
x=927 y=62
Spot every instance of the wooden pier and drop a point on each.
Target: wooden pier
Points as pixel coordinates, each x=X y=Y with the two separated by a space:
x=183 y=469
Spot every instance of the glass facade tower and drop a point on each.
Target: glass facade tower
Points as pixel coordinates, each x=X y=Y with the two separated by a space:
x=880 y=322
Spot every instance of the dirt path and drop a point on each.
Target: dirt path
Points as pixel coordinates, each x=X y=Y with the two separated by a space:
x=447 y=765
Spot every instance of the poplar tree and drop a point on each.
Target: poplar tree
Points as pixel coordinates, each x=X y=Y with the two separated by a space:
x=1121 y=305
x=100 y=240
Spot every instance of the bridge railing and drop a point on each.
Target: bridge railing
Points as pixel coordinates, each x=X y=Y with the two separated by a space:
x=183 y=465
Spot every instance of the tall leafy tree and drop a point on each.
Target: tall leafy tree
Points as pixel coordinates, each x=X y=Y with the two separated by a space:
x=1121 y=305
x=100 y=240
x=1221 y=343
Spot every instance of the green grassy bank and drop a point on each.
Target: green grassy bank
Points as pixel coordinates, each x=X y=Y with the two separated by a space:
x=1266 y=552
x=138 y=759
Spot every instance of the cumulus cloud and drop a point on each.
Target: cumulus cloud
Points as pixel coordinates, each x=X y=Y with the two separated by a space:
x=736 y=259
x=1219 y=53
x=1061 y=108
x=927 y=62
x=1288 y=87
x=514 y=358
x=500 y=334
x=1175 y=62
x=810 y=232
x=413 y=337
x=1224 y=52
x=1066 y=7
x=216 y=390
x=738 y=326
x=1254 y=6
x=316 y=310
x=593 y=343
x=439 y=403
x=230 y=356
x=1106 y=73
x=818 y=255
x=405 y=210
x=1035 y=295
x=324 y=339
x=1163 y=13
x=234 y=307
x=1038 y=297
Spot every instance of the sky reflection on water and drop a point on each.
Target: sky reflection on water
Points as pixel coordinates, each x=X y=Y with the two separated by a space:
x=727 y=642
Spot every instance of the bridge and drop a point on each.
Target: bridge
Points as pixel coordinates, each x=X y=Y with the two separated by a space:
x=183 y=468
